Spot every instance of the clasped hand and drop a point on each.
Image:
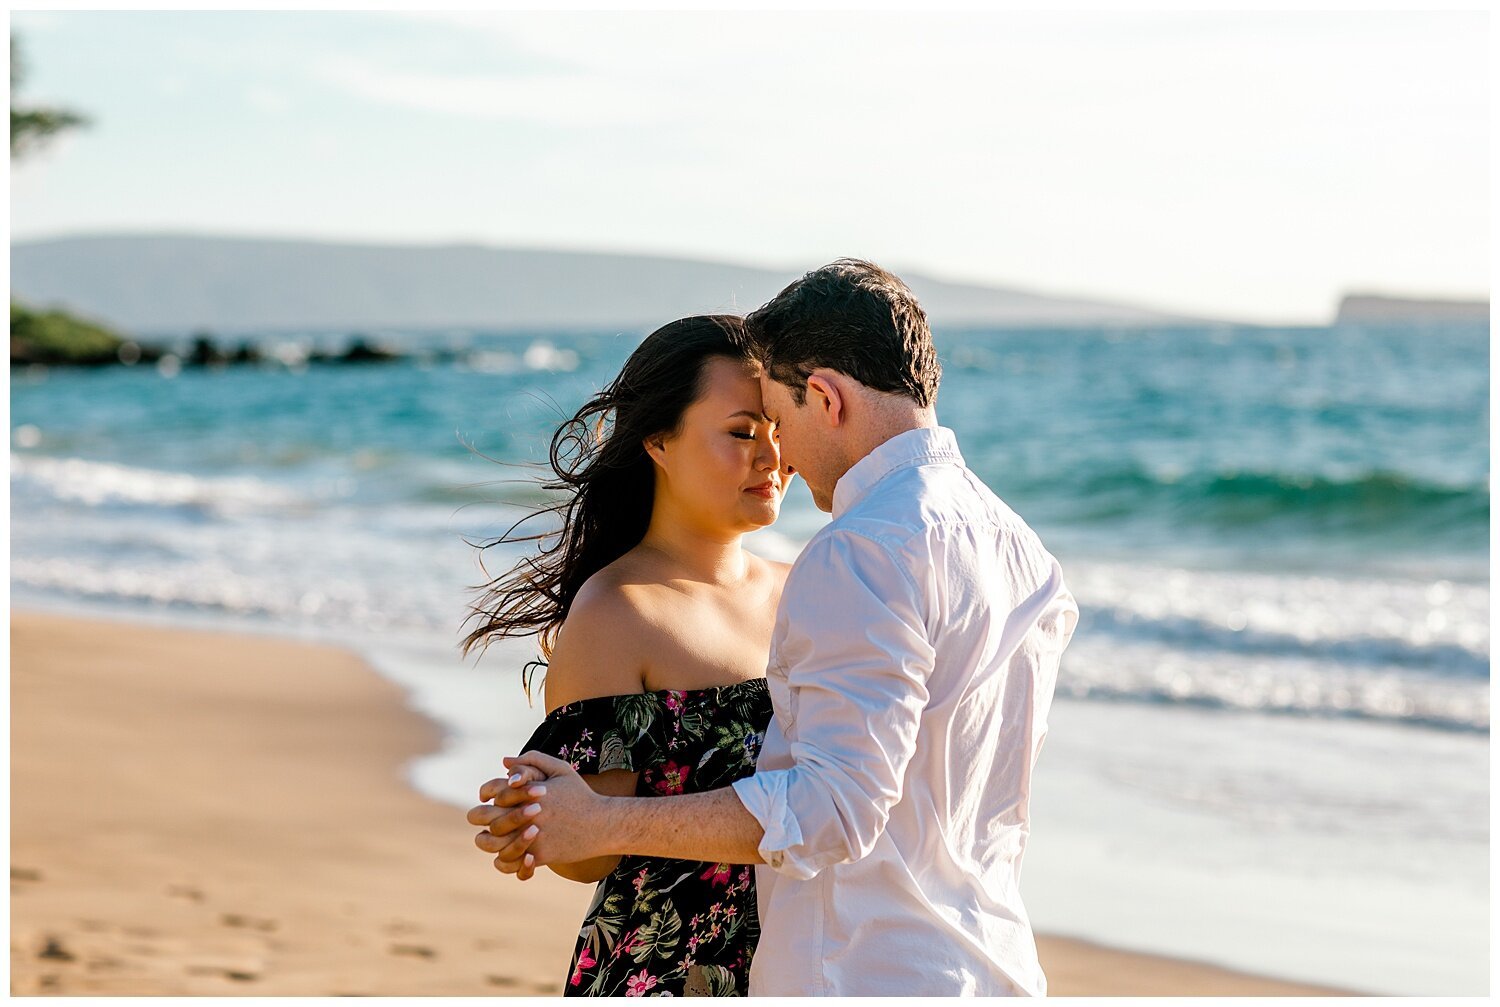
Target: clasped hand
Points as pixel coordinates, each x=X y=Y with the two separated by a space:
x=540 y=815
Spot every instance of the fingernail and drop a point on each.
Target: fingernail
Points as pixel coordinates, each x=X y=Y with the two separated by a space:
x=530 y=860
x=532 y=810
x=515 y=778
x=537 y=791
x=530 y=833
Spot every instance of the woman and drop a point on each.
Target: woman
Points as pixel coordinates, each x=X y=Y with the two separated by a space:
x=655 y=625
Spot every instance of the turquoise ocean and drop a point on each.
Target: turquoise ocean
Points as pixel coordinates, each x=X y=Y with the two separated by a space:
x=1270 y=743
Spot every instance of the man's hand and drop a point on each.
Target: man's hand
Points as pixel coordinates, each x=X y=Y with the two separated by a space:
x=520 y=789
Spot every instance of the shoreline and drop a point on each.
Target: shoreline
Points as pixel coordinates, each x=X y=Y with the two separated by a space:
x=202 y=812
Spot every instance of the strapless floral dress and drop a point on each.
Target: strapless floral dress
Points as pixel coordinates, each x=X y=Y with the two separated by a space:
x=661 y=927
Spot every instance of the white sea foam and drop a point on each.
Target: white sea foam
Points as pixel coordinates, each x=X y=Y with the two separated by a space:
x=1101 y=667
x=543 y=356
x=1387 y=649
x=1304 y=611
x=96 y=484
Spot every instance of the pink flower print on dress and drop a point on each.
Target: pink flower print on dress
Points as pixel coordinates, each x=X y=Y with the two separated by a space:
x=718 y=874
x=627 y=943
x=585 y=961
x=672 y=779
x=637 y=985
x=674 y=701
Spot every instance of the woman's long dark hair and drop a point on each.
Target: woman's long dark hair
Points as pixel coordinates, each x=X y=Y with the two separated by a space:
x=607 y=482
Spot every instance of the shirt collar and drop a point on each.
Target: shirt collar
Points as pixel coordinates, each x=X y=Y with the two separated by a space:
x=912 y=447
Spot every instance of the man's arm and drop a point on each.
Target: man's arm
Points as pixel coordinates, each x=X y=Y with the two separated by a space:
x=858 y=657
x=713 y=826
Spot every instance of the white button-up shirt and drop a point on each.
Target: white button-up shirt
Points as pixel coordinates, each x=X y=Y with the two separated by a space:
x=912 y=667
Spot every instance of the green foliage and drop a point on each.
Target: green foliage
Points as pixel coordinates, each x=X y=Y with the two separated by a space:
x=720 y=980
x=636 y=714
x=55 y=337
x=612 y=754
x=660 y=936
x=30 y=127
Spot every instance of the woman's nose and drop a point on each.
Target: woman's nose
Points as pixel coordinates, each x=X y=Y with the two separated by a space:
x=768 y=458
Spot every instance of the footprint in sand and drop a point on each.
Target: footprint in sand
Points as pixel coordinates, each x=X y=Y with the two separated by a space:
x=185 y=892
x=55 y=951
x=249 y=922
x=228 y=972
x=414 y=950
x=502 y=981
x=19 y=876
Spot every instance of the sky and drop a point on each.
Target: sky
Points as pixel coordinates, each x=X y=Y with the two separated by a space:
x=1250 y=166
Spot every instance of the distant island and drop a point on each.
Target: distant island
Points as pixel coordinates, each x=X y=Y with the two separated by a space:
x=172 y=285
x=1379 y=308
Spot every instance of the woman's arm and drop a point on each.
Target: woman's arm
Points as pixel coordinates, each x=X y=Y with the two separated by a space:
x=598 y=653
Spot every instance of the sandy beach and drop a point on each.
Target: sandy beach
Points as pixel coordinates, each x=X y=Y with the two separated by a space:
x=210 y=814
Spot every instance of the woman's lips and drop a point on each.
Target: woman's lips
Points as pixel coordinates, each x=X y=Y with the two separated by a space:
x=767 y=490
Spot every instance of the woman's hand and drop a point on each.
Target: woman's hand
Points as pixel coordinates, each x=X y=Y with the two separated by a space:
x=519 y=790
x=564 y=824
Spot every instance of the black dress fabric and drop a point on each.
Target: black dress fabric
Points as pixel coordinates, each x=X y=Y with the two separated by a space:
x=660 y=927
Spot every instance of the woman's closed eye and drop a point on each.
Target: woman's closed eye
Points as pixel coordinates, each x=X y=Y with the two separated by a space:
x=742 y=435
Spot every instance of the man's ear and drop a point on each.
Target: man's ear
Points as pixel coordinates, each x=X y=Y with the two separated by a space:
x=824 y=393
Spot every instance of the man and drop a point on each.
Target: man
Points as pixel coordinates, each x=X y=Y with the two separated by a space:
x=911 y=671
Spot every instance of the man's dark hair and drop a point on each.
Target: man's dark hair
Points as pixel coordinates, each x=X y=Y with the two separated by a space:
x=855 y=318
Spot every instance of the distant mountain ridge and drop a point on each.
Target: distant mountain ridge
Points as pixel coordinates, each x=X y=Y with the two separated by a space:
x=174 y=284
x=1377 y=308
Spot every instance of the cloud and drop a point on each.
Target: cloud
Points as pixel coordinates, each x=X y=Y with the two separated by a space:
x=582 y=99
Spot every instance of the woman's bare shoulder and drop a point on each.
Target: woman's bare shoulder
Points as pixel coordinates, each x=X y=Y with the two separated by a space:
x=603 y=643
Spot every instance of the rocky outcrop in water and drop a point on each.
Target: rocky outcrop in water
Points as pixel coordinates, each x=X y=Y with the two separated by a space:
x=58 y=339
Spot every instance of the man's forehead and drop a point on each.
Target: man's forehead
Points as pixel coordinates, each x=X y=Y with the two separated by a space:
x=770 y=392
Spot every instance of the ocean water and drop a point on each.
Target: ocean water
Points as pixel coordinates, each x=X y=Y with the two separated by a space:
x=1278 y=539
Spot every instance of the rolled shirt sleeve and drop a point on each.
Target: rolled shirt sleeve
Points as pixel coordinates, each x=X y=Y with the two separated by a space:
x=856 y=656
